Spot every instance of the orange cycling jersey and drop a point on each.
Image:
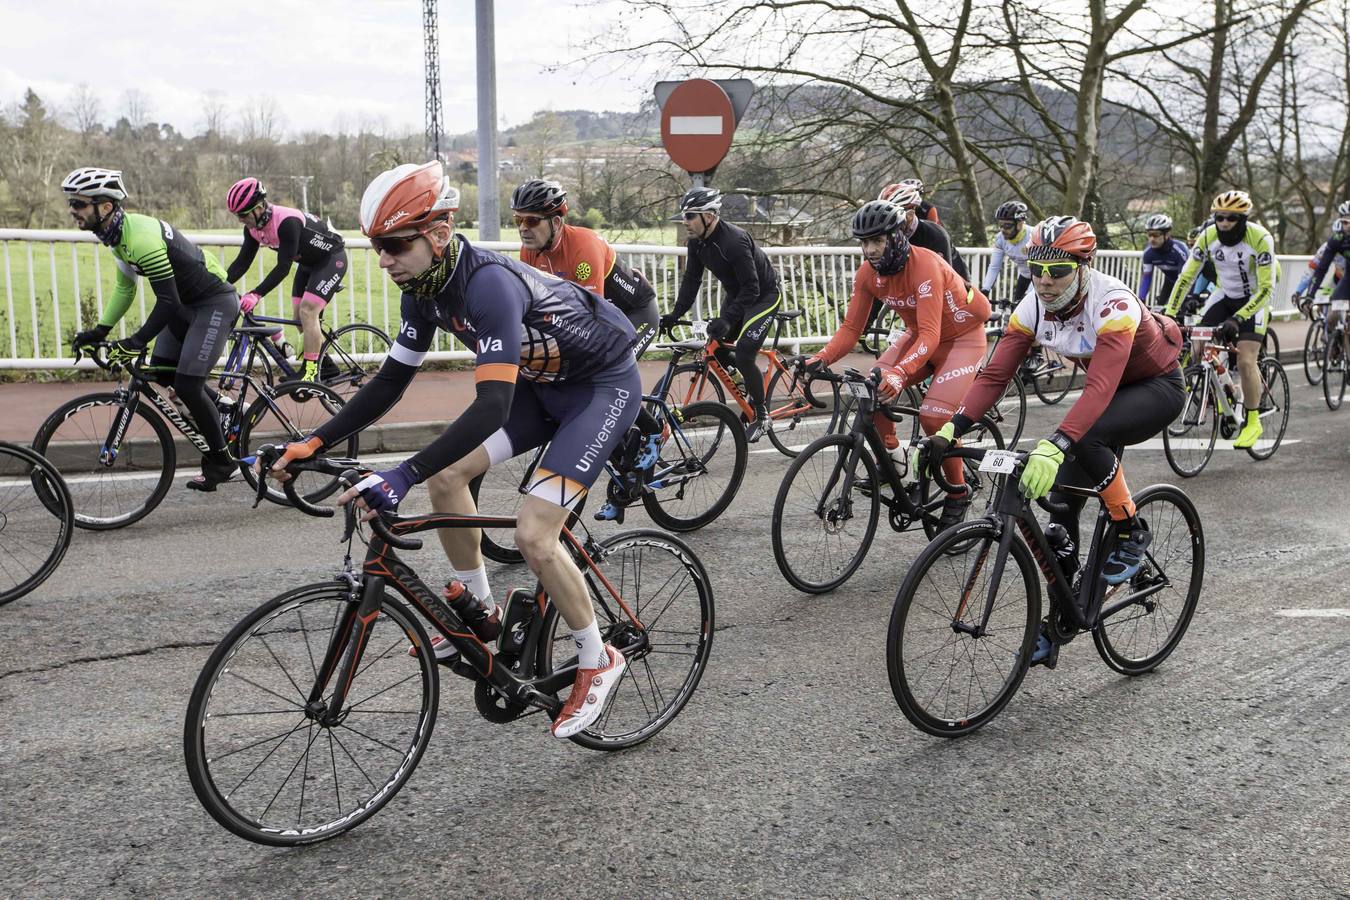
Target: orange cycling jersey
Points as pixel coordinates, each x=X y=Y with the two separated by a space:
x=579 y=255
x=936 y=305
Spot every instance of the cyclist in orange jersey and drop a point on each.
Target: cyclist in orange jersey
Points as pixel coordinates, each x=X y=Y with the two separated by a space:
x=944 y=318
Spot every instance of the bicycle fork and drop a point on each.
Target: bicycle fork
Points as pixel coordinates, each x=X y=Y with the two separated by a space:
x=128 y=401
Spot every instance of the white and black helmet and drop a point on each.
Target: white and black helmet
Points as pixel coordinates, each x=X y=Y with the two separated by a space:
x=1343 y=209
x=701 y=199
x=92 y=181
x=1012 y=211
x=1158 y=222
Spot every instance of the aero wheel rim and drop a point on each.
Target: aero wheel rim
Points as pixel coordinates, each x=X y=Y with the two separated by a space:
x=268 y=756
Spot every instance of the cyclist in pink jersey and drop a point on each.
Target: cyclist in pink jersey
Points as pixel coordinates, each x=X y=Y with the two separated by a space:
x=298 y=238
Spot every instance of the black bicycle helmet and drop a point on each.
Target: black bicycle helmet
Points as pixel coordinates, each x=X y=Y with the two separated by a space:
x=1012 y=211
x=879 y=218
x=545 y=198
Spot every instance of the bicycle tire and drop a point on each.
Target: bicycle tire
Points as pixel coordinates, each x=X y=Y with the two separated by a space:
x=1313 y=343
x=685 y=377
x=920 y=593
x=216 y=749
x=1334 y=370
x=37 y=518
x=692 y=450
x=823 y=463
x=72 y=437
x=982 y=433
x=650 y=583
x=1270 y=344
x=794 y=421
x=1198 y=413
x=1053 y=366
x=1274 y=389
x=304 y=406
x=1011 y=412
x=1163 y=508
x=350 y=374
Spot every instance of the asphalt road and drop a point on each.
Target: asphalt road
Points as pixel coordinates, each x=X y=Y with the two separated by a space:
x=792 y=772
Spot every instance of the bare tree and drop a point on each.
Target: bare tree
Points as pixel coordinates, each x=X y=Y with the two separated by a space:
x=86 y=109
x=260 y=120
x=215 y=113
x=136 y=108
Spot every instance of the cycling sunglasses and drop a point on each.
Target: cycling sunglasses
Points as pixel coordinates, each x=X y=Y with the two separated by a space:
x=530 y=221
x=1007 y=226
x=248 y=213
x=1154 y=233
x=395 y=246
x=1221 y=217
x=1056 y=269
x=76 y=203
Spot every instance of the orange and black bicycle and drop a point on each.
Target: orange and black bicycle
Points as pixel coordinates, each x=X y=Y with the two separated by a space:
x=796 y=415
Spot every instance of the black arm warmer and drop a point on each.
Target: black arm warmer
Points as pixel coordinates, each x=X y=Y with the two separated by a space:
x=166 y=306
x=288 y=245
x=484 y=416
x=244 y=259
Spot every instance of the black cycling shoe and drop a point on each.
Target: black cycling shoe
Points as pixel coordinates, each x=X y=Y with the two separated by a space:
x=953 y=511
x=217 y=468
x=755 y=430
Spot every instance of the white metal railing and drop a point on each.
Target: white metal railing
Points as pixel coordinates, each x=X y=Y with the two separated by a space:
x=55 y=282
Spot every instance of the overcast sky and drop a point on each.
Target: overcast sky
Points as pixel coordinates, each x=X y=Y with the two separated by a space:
x=322 y=62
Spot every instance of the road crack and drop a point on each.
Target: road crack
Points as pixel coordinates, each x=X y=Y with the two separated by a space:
x=82 y=660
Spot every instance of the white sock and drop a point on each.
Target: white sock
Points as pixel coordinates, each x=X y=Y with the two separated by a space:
x=591 y=653
x=476 y=581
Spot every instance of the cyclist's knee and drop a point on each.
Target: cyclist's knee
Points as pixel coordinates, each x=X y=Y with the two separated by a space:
x=449 y=488
x=537 y=528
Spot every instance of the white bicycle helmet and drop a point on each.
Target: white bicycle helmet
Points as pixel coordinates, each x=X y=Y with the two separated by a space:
x=91 y=181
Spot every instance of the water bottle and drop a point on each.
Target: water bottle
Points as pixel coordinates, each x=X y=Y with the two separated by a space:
x=476 y=614
x=1067 y=554
x=521 y=609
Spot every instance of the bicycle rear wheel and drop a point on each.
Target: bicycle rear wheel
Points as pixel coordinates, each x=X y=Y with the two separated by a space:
x=794 y=421
x=111 y=485
x=1009 y=412
x=1052 y=377
x=36 y=520
x=1313 y=344
x=1189 y=441
x=268 y=763
x=295 y=410
x=821 y=532
x=342 y=369
x=1136 y=632
x=1274 y=407
x=1270 y=344
x=667 y=589
x=1334 y=369
x=700 y=469
x=947 y=680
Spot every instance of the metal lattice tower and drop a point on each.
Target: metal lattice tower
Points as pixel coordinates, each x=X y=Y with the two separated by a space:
x=432 y=46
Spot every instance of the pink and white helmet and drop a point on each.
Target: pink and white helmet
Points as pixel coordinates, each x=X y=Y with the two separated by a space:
x=244 y=195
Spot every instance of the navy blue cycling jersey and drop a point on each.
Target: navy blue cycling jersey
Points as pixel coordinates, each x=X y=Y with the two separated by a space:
x=1169 y=259
x=1337 y=245
x=518 y=320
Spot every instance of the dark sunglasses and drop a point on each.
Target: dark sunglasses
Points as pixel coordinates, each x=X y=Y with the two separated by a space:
x=530 y=221
x=1223 y=218
x=1007 y=226
x=1053 y=269
x=690 y=216
x=75 y=203
x=395 y=246
x=1154 y=233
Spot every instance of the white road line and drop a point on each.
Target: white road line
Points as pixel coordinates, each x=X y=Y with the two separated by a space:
x=1314 y=613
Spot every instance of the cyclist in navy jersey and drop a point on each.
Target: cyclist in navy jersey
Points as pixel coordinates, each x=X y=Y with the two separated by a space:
x=298 y=238
x=1164 y=253
x=553 y=364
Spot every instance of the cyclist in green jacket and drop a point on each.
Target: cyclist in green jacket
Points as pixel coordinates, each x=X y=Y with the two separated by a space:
x=194 y=304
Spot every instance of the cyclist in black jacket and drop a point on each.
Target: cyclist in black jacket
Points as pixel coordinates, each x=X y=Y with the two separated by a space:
x=751 y=287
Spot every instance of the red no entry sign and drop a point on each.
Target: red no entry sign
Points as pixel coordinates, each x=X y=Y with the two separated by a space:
x=697 y=122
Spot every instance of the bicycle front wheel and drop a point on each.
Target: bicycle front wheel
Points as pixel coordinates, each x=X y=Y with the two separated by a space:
x=1136 y=632
x=1334 y=370
x=1052 y=377
x=290 y=413
x=1274 y=407
x=825 y=514
x=1313 y=344
x=267 y=759
x=665 y=585
x=1009 y=412
x=118 y=465
x=700 y=469
x=1189 y=441
x=351 y=356
x=951 y=671
x=794 y=421
x=36 y=520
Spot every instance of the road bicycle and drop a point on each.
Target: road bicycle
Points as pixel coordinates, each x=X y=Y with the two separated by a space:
x=1334 y=355
x=312 y=713
x=349 y=355
x=1315 y=341
x=967 y=618
x=1213 y=405
x=826 y=510
x=796 y=415
x=37 y=518
x=118 y=448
